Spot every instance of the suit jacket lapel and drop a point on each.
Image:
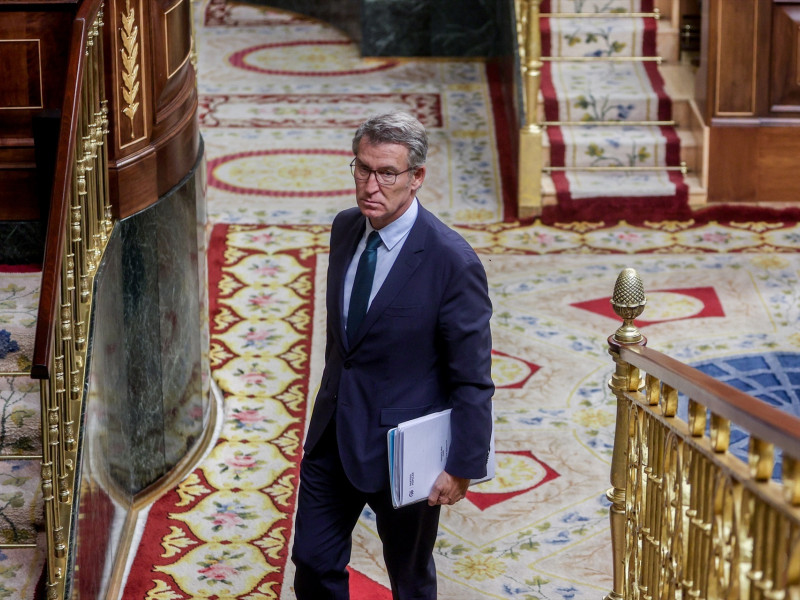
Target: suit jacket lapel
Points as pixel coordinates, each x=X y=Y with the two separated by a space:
x=407 y=262
x=340 y=257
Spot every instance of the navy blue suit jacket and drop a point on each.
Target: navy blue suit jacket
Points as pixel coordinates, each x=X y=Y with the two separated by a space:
x=423 y=346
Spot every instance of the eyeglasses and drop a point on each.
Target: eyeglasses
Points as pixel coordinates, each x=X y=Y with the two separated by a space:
x=382 y=176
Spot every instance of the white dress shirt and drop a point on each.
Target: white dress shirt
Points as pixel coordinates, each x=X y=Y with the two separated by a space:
x=393 y=237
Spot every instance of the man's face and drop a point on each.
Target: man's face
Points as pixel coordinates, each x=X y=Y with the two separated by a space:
x=382 y=204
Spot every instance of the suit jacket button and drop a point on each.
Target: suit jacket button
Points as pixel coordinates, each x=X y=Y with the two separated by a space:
x=348 y=364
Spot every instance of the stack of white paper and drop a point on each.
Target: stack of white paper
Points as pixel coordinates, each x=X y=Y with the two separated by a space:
x=418 y=454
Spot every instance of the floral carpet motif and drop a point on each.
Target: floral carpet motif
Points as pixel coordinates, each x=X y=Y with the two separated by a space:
x=20 y=434
x=540 y=528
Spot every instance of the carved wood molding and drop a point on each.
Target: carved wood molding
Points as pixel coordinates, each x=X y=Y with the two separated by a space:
x=129 y=34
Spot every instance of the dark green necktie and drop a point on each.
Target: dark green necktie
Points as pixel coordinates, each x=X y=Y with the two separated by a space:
x=362 y=285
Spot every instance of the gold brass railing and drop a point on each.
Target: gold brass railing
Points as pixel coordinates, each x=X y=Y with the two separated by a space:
x=529 y=193
x=78 y=228
x=688 y=519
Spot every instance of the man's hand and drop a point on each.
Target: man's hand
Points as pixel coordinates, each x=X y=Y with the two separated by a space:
x=447 y=489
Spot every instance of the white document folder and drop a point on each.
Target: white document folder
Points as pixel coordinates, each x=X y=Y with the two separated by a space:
x=418 y=454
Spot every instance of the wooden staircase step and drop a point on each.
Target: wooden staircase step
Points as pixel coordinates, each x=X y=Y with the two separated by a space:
x=698 y=195
x=691 y=149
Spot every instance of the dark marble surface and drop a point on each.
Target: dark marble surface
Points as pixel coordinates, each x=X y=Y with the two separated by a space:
x=343 y=14
x=147 y=398
x=21 y=242
x=451 y=28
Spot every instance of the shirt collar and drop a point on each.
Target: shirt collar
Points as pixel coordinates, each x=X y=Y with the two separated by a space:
x=397 y=229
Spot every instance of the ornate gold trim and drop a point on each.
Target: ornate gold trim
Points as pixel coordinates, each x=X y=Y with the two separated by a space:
x=129 y=33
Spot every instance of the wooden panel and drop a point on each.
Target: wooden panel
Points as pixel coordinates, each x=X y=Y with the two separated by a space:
x=754 y=164
x=778 y=162
x=736 y=26
x=18 y=199
x=24 y=59
x=133 y=184
x=785 y=65
x=172 y=44
x=731 y=177
x=33 y=55
x=34 y=47
x=177 y=36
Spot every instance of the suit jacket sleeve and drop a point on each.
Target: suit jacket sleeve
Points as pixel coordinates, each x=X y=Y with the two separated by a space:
x=466 y=345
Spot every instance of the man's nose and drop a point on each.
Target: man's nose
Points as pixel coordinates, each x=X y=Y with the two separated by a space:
x=372 y=182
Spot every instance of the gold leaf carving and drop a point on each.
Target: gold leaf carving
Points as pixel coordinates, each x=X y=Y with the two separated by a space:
x=130 y=78
x=175 y=541
x=129 y=33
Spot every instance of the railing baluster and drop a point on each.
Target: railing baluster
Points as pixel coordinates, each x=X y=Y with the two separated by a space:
x=530 y=140
x=81 y=218
x=699 y=522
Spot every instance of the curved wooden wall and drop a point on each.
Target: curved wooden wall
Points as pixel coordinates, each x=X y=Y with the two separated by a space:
x=150 y=85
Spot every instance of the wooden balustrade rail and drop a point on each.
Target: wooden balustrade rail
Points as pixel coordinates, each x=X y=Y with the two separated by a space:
x=755 y=416
x=50 y=298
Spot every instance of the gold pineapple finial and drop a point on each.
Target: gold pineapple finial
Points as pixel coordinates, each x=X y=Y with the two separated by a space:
x=628 y=302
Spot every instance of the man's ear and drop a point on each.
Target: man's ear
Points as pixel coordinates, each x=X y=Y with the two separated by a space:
x=419 y=177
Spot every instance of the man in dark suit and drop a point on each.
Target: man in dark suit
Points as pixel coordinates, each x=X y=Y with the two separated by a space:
x=407 y=335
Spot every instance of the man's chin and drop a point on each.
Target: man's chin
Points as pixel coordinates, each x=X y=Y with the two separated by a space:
x=370 y=210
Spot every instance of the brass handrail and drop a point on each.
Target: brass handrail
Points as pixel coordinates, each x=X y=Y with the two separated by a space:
x=77 y=231
x=689 y=519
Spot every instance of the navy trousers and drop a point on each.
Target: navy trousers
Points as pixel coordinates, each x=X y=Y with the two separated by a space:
x=328 y=508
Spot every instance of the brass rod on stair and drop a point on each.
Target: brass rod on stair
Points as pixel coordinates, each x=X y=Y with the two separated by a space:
x=603 y=59
x=606 y=123
x=20 y=457
x=656 y=14
x=682 y=168
x=15 y=374
x=17 y=546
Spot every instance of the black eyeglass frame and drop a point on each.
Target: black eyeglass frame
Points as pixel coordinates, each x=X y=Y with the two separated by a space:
x=378 y=174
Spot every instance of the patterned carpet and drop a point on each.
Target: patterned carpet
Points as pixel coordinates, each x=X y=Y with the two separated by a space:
x=540 y=528
x=20 y=433
x=282 y=96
